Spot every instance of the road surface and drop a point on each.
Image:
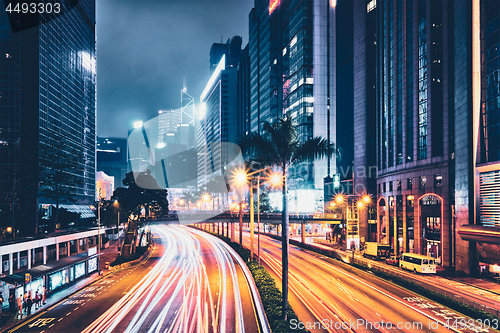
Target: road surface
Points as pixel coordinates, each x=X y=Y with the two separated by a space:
x=190 y=284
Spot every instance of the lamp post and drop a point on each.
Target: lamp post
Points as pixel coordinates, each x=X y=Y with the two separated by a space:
x=99 y=237
x=99 y=203
x=242 y=178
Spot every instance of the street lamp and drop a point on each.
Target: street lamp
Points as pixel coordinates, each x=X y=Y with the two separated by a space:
x=206 y=198
x=242 y=177
x=98 y=235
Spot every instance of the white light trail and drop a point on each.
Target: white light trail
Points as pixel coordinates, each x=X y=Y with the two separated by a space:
x=176 y=294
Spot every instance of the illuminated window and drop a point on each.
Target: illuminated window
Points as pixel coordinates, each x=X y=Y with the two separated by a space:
x=423 y=181
x=371 y=6
x=438 y=180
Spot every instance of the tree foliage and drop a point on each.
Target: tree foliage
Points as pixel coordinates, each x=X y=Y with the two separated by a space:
x=279 y=146
x=133 y=198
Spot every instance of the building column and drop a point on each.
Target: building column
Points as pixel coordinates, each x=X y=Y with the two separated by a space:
x=18 y=260
x=69 y=248
x=45 y=255
x=78 y=246
x=232 y=232
x=11 y=263
x=405 y=228
x=29 y=258
x=303 y=232
x=395 y=223
x=57 y=251
x=417 y=227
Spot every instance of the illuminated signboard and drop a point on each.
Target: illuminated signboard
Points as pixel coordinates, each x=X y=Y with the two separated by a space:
x=92 y=264
x=79 y=270
x=91 y=251
x=336 y=181
x=272 y=5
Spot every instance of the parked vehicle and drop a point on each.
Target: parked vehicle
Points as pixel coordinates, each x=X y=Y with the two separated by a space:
x=392 y=260
x=377 y=251
x=417 y=263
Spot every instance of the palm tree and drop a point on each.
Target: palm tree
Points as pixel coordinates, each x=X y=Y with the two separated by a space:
x=279 y=146
x=188 y=197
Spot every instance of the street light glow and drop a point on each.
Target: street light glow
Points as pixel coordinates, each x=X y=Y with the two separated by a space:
x=275 y=179
x=366 y=199
x=360 y=204
x=339 y=198
x=138 y=124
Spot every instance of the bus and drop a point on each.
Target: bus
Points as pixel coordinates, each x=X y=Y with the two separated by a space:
x=417 y=263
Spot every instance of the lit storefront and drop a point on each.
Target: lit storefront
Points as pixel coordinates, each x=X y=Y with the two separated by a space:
x=52 y=276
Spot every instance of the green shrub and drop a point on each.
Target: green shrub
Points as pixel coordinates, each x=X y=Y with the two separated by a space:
x=271 y=299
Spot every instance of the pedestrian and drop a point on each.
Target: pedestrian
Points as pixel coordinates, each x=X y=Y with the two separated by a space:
x=44 y=296
x=12 y=304
x=1 y=303
x=37 y=300
x=29 y=304
x=20 y=306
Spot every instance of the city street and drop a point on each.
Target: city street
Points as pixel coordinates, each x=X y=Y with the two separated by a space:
x=321 y=288
x=189 y=284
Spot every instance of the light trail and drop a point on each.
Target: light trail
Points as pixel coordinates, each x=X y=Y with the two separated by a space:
x=179 y=294
x=344 y=302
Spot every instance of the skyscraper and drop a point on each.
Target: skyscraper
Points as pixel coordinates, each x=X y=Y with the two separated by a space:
x=292 y=73
x=48 y=82
x=415 y=102
x=365 y=167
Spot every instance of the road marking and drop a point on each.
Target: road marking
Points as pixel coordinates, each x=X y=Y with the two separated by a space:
x=67 y=314
x=51 y=325
x=59 y=320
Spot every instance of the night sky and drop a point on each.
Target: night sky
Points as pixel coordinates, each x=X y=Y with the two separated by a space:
x=145 y=49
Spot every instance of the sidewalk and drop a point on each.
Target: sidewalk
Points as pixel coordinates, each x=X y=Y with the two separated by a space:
x=8 y=321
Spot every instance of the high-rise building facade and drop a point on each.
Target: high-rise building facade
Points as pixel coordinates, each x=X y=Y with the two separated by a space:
x=488 y=162
x=437 y=121
x=48 y=82
x=364 y=98
x=168 y=121
x=218 y=119
x=112 y=158
x=292 y=73
x=415 y=101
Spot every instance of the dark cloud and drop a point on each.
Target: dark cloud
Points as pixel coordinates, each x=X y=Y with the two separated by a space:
x=145 y=49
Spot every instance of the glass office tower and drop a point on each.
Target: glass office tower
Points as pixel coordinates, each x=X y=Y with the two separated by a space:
x=48 y=97
x=292 y=73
